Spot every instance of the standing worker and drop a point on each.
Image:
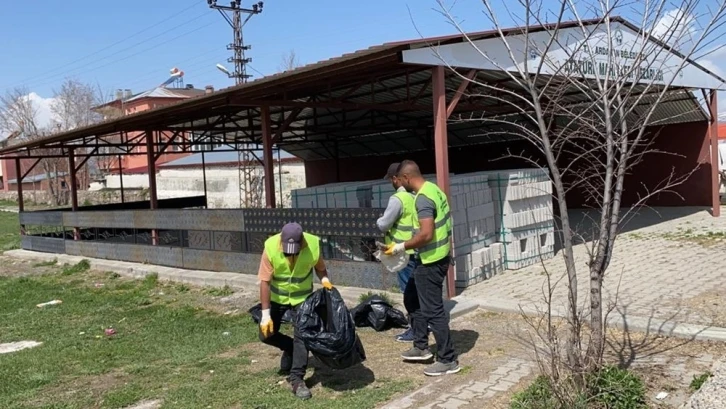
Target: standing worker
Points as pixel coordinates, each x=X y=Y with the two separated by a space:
x=286 y=280
x=397 y=225
x=425 y=288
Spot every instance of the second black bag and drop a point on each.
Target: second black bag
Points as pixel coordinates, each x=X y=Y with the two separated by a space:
x=377 y=313
x=328 y=330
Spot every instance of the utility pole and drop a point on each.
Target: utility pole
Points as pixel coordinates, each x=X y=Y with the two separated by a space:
x=233 y=15
x=249 y=195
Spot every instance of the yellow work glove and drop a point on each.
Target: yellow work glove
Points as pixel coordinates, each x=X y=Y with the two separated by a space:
x=267 y=328
x=326 y=283
x=394 y=249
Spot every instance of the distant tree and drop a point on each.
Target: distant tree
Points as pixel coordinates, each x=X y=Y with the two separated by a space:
x=289 y=61
x=18 y=114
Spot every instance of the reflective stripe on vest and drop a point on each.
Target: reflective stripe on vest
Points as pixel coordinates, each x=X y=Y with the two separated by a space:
x=402 y=230
x=440 y=245
x=292 y=287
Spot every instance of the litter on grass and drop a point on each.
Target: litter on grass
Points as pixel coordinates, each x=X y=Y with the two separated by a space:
x=17 y=346
x=45 y=304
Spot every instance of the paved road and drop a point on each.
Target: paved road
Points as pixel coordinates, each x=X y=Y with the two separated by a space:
x=662 y=263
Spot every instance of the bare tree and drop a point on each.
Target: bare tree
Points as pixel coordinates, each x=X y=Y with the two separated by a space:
x=289 y=61
x=18 y=114
x=72 y=108
x=585 y=95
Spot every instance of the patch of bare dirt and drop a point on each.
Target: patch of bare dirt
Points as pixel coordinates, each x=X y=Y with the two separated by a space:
x=13 y=267
x=95 y=385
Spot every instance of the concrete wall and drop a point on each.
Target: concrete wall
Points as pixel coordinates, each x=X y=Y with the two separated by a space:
x=84 y=196
x=223 y=184
x=683 y=149
x=138 y=181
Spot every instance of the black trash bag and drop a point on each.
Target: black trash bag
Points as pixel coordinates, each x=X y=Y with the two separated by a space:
x=377 y=313
x=328 y=330
x=256 y=313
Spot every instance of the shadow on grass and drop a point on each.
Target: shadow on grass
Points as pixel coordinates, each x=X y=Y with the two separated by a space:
x=354 y=378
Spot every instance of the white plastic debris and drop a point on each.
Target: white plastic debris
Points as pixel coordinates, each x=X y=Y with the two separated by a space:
x=661 y=395
x=225 y=333
x=17 y=346
x=45 y=304
x=392 y=263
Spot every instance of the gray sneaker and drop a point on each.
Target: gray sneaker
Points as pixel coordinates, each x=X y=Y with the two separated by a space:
x=440 y=368
x=301 y=390
x=415 y=354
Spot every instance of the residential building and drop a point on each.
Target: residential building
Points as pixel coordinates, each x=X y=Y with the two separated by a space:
x=127 y=104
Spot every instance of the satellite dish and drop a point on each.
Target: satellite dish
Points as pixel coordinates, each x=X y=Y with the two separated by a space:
x=223 y=69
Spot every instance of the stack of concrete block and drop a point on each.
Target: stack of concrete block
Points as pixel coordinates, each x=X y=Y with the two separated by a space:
x=473 y=217
x=347 y=195
x=524 y=215
x=479 y=265
x=335 y=195
x=502 y=220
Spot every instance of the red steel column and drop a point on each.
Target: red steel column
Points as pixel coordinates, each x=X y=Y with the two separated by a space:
x=21 y=202
x=74 y=189
x=151 y=166
x=74 y=182
x=715 y=181
x=267 y=157
x=441 y=148
x=19 y=179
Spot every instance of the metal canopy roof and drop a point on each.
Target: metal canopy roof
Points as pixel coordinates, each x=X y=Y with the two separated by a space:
x=365 y=103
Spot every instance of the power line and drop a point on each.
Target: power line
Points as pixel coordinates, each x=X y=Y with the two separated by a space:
x=194 y=4
x=54 y=78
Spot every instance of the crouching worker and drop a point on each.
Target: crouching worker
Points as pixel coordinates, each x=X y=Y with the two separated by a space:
x=286 y=280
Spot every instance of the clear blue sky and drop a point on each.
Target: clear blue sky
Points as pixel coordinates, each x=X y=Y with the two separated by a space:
x=100 y=43
x=133 y=43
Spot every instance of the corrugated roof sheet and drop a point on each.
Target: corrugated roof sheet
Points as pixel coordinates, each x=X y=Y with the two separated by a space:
x=212 y=157
x=161 y=92
x=37 y=177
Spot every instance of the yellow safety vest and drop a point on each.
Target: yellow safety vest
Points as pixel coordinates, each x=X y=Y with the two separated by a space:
x=440 y=245
x=402 y=230
x=292 y=287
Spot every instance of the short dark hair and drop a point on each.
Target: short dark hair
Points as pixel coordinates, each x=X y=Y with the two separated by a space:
x=410 y=167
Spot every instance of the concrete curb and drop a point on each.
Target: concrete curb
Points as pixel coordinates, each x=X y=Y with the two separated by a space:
x=244 y=282
x=632 y=323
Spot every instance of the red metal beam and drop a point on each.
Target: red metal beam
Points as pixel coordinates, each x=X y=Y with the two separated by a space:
x=288 y=121
x=86 y=158
x=441 y=149
x=151 y=166
x=165 y=145
x=459 y=92
x=74 y=189
x=713 y=129
x=267 y=156
x=74 y=182
x=19 y=178
x=27 y=172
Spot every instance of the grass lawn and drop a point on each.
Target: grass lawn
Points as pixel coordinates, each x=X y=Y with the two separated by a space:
x=9 y=231
x=170 y=344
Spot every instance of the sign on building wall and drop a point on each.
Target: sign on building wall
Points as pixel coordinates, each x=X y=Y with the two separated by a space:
x=597 y=52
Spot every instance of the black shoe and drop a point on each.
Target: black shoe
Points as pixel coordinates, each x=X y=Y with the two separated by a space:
x=301 y=390
x=285 y=363
x=415 y=354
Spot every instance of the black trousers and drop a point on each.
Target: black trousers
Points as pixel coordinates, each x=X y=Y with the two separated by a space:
x=424 y=302
x=294 y=347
